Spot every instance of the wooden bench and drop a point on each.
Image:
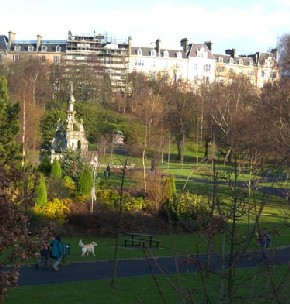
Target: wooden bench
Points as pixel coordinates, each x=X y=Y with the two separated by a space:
x=141 y=239
x=155 y=243
x=135 y=242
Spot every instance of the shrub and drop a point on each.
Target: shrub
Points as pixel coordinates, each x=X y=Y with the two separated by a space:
x=189 y=209
x=56 y=209
x=40 y=191
x=86 y=181
x=111 y=199
x=56 y=171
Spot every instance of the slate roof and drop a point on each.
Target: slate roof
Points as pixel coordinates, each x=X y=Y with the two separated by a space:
x=49 y=44
x=146 y=51
x=195 y=47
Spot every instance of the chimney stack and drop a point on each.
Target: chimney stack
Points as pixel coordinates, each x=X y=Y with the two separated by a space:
x=231 y=52
x=157 y=47
x=11 y=38
x=184 y=44
x=208 y=44
x=39 y=39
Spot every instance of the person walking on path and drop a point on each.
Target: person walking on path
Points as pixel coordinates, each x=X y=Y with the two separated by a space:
x=264 y=242
x=56 y=252
x=43 y=255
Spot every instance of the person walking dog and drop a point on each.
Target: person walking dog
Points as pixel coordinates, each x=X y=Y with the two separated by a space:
x=56 y=252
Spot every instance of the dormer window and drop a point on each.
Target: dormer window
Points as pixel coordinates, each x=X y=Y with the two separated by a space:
x=139 y=52
x=201 y=53
x=231 y=60
x=221 y=60
x=179 y=54
x=57 y=48
x=30 y=48
x=251 y=62
x=17 y=48
x=43 y=48
x=153 y=53
x=166 y=54
x=240 y=61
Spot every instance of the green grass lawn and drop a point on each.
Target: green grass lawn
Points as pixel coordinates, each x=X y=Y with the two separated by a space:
x=254 y=286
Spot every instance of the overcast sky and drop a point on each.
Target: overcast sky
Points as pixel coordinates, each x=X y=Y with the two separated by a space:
x=246 y=25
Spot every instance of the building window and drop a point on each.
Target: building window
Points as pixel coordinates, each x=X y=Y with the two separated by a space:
x=153 y=53
x=57 y=48
x=221 y=59
x=43 y=48
x=139 y=63
x=17 y=48
x=30 y=48
x=240 y=61
x=207 y=67
x=16 y=58
x=179 y=54
x=231 y=60
x=43 y=59
x=139 y=52
x=251 y=62
x=220 y=69
x=56 y=59
x=195 y=66
x=166 y=54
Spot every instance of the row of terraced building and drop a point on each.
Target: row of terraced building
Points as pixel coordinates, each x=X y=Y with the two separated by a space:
x=195 y=63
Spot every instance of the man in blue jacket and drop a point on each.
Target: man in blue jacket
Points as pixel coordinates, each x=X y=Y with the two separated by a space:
x=56 y=252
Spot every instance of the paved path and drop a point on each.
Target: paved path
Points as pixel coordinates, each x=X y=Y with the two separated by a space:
x=99 y=270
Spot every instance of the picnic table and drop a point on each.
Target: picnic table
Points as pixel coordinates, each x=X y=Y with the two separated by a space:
x=141 y=240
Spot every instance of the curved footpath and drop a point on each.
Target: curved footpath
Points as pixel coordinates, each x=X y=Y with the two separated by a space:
x=102 y=270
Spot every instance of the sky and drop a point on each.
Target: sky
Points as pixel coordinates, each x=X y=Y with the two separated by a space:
x=246 y=25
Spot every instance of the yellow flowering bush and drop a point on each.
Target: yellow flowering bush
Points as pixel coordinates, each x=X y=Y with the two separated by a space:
x=57 y=209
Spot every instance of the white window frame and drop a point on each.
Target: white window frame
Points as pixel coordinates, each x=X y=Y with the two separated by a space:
x=207 y=67
x=30 y=48
x=56 y=59
x=139 y=52
x=16 y=58
x=153 y=53
x=43 y=48
x=166 y=54
x=57 y=48
x=17 y=48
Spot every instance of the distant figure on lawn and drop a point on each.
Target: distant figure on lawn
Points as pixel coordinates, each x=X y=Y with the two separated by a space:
x=264 y=241
x=43 y=255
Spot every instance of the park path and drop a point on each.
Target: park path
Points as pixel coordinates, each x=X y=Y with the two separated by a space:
x=102 y=270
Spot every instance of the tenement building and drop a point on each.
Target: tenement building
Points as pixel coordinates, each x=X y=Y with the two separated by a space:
x=89 y=58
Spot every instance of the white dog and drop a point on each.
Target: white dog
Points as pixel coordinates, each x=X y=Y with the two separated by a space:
x=88 y=248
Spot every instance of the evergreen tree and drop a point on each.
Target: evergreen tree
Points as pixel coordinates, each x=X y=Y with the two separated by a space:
x=45 y=165
x=56 y=171
x=40 y=191
x=172 y=187
x=86 y=181
x=9 y=127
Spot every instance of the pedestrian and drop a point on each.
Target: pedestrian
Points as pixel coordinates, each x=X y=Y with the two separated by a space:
x=43 y=255
x=264 y=242
x=108 y=169
x=56 y=252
